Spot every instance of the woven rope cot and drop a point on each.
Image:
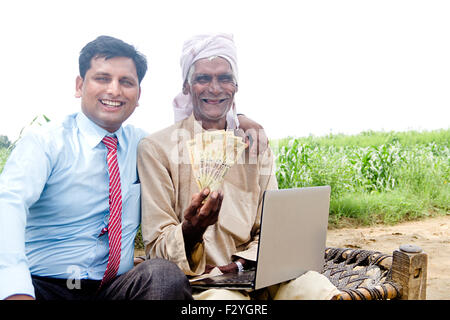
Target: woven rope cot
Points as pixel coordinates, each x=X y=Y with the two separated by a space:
x=360 y=274
x=367 y=275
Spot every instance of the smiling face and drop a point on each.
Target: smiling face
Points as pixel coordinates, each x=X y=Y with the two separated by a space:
x=109 y=91
x=212 y=90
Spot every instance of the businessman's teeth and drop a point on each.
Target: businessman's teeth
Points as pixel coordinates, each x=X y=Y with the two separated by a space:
x=111 y=103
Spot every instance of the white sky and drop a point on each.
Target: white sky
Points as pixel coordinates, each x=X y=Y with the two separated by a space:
x=305 y=67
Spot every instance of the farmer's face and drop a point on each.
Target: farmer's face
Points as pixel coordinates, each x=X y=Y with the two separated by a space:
x=212 y=89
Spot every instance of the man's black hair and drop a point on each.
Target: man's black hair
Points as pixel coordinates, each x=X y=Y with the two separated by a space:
x=109 y=47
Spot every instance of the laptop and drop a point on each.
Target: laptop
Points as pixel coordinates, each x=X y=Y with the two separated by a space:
x=292 y=240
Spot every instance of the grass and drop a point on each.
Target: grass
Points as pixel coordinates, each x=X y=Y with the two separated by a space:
x=374 y=138
x=376 y=177
x=4 y=154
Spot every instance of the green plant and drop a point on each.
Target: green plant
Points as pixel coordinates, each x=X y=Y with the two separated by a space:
x=4 y=154
x=4 y=142
x=374 y=177
x=378 y=166
x=37 y=120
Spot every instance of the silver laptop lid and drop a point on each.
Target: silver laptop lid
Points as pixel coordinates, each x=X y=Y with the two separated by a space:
x=293 y=234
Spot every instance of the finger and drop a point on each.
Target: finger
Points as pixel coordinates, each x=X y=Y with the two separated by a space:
x=207 y=209
x=209 y=204
x=229 y=268
x=252 y=141
x=192 y=208
x=247 y=141
x=200 y=197
x=196 y=203
x=239 y=133
x=219 y=202
x=213 y=216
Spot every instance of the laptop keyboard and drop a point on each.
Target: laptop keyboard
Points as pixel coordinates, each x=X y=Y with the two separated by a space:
x=229 y=280
x=243 y=277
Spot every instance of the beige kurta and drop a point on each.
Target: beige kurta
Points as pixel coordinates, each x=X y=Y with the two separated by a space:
x=167 y=185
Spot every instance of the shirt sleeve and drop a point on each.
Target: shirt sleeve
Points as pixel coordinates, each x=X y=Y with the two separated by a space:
x=161 y=226
x=21 y=183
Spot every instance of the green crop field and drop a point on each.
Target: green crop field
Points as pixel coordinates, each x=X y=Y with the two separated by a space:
x=374 y=176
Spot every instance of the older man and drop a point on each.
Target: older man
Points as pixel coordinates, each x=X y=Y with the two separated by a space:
x=202 y=230
x=200 y=47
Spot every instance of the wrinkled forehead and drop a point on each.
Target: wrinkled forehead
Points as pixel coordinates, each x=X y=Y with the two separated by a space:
x=212 y=65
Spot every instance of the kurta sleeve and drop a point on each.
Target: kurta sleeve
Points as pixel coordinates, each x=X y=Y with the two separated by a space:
x=161 y=224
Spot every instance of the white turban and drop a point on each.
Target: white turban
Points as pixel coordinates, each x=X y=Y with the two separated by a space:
x=200 y=47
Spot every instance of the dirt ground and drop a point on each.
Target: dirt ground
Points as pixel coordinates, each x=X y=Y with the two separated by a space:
x=431 y=234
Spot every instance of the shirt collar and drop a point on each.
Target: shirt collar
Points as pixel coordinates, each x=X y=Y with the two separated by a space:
x=93 y=133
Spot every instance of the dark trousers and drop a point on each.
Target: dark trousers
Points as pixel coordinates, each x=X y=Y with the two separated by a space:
x=154 y=279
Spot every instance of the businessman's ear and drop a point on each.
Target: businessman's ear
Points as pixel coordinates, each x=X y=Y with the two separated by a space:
x=79 y=87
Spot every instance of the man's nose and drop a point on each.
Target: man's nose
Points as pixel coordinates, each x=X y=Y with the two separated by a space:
x=215 y=86
x=114 y=88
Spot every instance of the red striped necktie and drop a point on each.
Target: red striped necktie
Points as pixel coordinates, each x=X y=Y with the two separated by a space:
x=115 y=211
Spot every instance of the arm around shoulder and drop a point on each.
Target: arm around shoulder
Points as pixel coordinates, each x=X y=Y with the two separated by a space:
x=254 y=134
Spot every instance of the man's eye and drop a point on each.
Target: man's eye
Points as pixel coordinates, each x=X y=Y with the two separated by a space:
x=203 y=79
x=225 y=78
x=102 y=79
x=127 y=83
